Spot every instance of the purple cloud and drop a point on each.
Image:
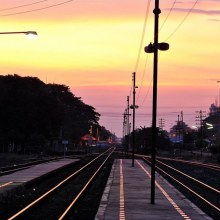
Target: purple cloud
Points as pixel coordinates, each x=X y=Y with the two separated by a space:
x=217 y=20
x=198 y=11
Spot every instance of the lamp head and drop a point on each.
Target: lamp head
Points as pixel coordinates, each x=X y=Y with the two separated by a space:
x=31 y=34
x=163 y=46
x=149 y=48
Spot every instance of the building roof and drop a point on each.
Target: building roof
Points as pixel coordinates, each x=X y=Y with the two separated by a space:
x=87 y=137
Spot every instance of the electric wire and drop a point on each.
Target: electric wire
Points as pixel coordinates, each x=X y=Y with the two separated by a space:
x=183 y=20
x=172 y=7
x=38 y=9
x=143 y=32
x=172 y=33
x=142 y=79
x=25 y=5
x=142 y=35
x=150 y=85
x=161 y=27
x=141 y=46
x=160 y=113
x=130 y=90
x=141 y=42
x=174 y=2
x=142 y=39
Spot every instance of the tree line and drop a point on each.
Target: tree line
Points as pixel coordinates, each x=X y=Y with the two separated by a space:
x=35 y=116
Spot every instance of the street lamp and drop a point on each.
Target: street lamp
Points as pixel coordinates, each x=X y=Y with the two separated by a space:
x=153 y=48
x=30 y=34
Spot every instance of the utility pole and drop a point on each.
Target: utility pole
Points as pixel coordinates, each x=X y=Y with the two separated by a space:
x=134 y=106
x=218 y=115
x=218 y=95
x=182 y=128
x=153 y=48
x=123 y=132
x=161 y=123
x=126 y=126
x=128 y=123
x=154 y=110
x=178 y=127
x=179 y=133
x=200 y=119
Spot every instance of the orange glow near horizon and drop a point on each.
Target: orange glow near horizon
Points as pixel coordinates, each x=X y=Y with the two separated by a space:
x=92 y=47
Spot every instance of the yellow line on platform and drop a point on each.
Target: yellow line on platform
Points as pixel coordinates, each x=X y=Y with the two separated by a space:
x=122 y=201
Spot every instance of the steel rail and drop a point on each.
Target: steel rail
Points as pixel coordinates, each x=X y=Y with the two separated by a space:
x=84 y=188
x=54 y=188
x=192 y=178
x=6 y=184
x=206 y=165
x=166 y=194
x=15 y=168
x=186 y=187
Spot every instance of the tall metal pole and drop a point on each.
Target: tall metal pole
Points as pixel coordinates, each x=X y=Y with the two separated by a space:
x=218 y=95
x=154 y=118
x=134 y=106
x=128 y=123
x=219 y=126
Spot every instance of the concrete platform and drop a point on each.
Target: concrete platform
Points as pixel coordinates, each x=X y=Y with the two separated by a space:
x=13 y=180
x=127 y=196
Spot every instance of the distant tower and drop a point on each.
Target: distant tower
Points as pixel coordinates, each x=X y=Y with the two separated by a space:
x=200 y=120
x=161 y=123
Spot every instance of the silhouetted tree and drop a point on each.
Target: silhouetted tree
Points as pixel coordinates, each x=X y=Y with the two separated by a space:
x=143 y=140
x=33 y=113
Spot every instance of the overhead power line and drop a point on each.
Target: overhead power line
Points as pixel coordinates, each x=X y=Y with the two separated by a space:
x=24 y=5
x=183 y=20
x=142 y=79
x=141 y=46
x=150 y=84
x=38 y=9
x=142 y=36
x=185 y=17
x=141 y=41
x=174 y=2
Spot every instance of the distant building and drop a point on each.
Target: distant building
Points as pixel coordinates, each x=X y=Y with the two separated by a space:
x=214 y=120
x=88 y=140
x=214 y=110
x=177 y=132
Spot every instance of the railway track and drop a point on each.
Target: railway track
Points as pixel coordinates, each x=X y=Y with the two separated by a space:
x=16 y=167
x=198 y=182
x=62 y=200
x=11 y=169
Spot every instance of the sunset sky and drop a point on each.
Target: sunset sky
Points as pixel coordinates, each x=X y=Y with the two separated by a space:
x=92 y=46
